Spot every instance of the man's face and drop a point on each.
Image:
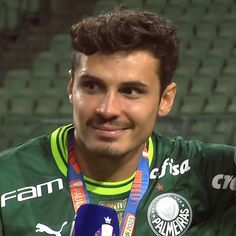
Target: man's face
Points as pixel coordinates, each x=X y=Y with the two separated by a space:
x=116 y=100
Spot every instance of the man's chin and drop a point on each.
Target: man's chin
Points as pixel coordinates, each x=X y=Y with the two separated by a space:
x=105 y=151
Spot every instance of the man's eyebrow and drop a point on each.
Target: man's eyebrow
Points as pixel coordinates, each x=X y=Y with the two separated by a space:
x=90 y=77
x=131 y=83
x=135 y=83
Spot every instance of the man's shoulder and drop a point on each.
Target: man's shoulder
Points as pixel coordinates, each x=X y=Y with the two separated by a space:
x=179 y=144
x=30 y=147
x=204 y=147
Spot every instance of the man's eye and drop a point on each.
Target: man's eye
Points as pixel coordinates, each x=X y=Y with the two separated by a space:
x=131 y=91
x=90 y=85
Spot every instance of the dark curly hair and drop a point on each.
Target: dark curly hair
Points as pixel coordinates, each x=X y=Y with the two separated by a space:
x=127 y=30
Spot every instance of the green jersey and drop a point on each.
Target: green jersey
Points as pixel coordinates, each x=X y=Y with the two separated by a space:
x=192 y=189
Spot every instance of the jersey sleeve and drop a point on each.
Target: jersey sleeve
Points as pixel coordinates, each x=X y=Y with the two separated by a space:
x=216 y=167
x=222 y=224
x=219 y=175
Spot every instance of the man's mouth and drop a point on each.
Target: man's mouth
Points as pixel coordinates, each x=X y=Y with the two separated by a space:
x=110 y=128
x=109 y=132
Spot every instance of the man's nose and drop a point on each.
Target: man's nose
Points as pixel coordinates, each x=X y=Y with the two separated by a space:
x=109 y=106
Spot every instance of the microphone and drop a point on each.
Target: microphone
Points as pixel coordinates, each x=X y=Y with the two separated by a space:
x=95 y=220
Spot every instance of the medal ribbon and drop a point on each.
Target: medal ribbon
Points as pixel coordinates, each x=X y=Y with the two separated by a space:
x=79 y=194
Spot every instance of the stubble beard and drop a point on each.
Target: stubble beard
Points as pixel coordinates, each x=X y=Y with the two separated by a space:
x=109 y=152
x=105 y=151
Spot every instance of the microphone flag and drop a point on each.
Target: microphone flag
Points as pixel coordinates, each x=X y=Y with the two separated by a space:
x=95 y=220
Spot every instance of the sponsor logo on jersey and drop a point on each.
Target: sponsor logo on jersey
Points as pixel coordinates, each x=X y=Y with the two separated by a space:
x=168 y=166
x=159 y=187
x=222 y=181
x=169 y=214
x=41 y=228
x=30 y=192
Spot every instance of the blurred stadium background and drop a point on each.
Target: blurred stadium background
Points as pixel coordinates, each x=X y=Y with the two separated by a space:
x=35 y=59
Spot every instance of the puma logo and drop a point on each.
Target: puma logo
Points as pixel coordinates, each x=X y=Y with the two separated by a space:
x=45 y=229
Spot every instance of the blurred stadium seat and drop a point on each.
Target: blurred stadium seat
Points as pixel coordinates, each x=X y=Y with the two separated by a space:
x=201 y=3
x=183 y=84
x=225 y=125
x=201 y=86
x=155 y=6
x=60 y=44
x=65 y=109
x=182 y=3
x=188 y=65
x=186 y=31
x=46 y=107
x=216 y=104
x=198 y=48
x=230 y=16
x=44 y=65
x=12 y=13
x=175 y=109
x=226 y=30
x=20 y=75
x=218 y=8
x=103 y=5
x=225 y=85
x=202 y=127
x=40 y=82
x=230 y=69
x=211 y=66
x=207 y=31
x=232 y=106
x=233 y=139
x=64 y=66
x=192 y=105
x=20 y=107
x=222 y=137
x=221 y=47
x=4 y=108
x=174 y=12
x=3 y=14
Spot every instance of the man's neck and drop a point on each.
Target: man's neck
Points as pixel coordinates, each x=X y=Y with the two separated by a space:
x=108 y=169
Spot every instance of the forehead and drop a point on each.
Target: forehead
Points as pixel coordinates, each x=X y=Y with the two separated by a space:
x=126 y=65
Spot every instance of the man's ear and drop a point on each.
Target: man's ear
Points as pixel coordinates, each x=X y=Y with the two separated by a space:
x=70 y=86
x=167 y=100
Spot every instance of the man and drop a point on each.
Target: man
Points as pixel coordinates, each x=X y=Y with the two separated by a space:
x=120 y=83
